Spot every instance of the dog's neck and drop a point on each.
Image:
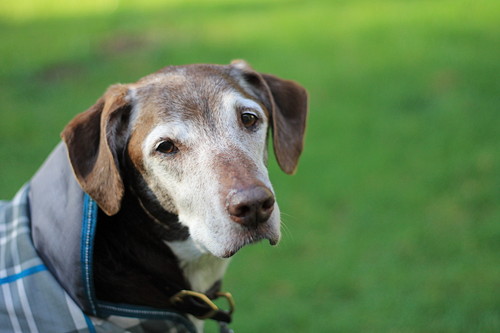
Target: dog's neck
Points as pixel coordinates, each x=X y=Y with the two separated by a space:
x=131 y=263
x=200 y=268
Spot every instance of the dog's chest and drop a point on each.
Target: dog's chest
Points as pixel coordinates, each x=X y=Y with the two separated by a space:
x=200 y=268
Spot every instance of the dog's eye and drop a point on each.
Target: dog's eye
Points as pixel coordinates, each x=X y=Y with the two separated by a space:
x=167 y=147
x=249 y=119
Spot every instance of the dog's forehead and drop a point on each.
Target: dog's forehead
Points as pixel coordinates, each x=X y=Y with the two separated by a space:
x=185 y=91
x=185 y=81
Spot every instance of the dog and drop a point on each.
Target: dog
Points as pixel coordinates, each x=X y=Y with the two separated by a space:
x=137 y=212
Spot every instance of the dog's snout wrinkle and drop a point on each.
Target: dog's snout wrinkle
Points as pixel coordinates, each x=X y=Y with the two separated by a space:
x=251 y=206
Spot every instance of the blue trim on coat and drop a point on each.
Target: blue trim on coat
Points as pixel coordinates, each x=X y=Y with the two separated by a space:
x=23 y=274
x=89 y=221
x=128 y=310
x=89 y=323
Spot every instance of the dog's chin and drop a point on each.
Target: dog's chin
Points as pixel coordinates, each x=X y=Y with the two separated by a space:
x=229 y=249
x=231 y=252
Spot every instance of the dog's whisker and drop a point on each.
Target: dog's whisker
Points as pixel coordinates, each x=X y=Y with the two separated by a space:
x=286 y=214
x=286 y=230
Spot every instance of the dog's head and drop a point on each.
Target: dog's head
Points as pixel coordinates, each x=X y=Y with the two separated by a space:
x=196 y=137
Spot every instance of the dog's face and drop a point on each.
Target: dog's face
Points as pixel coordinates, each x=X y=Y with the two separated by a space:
x=197 y=137
x=201 y=148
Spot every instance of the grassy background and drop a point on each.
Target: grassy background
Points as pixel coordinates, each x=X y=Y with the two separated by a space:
x=392 y=223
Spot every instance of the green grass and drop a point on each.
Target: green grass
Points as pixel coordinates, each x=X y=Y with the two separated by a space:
x=392 y=223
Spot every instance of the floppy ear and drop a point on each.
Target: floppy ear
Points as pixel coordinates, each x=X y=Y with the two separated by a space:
x=289 y=114
x=287 y=102
x=93 y=139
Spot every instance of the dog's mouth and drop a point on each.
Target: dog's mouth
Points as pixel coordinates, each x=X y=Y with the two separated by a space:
x=251 y=237
x=229 y=254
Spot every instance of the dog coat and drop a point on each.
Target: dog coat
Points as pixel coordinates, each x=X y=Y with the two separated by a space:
x=46 y=244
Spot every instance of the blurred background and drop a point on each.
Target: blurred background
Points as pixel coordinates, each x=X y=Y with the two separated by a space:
x=392 y=223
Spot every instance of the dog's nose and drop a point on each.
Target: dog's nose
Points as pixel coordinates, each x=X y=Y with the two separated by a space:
x=251 y=206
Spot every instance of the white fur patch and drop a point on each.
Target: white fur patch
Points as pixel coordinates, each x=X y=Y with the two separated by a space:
x=200 y=268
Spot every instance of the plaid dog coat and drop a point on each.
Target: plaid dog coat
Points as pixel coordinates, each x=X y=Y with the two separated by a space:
x=46 y=285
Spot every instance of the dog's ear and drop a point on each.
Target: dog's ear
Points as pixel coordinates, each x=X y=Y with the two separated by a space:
x=287 y=102
x=93 y=139
x=289 y=114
